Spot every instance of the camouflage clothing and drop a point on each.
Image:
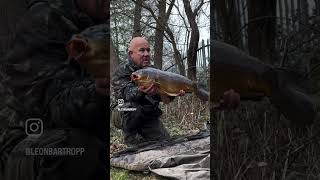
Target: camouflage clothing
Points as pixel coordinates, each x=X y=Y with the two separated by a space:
x=37 y=81
x=144 y=120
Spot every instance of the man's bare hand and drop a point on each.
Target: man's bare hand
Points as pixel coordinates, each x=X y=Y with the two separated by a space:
x=230 y=100
x=151 y=90
x=181 y=93
x=102 y=86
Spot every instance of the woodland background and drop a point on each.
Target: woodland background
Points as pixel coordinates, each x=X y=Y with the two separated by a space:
x=178 y=32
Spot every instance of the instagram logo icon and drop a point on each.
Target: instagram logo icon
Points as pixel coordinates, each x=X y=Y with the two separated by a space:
x=34 y=127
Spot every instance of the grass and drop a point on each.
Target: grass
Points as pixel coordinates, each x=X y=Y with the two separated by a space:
x=185 y=115
x=120 y=174
x=256 y=142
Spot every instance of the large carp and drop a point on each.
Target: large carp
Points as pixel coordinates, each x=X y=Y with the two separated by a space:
x=168 y=83
x=91 y=49
x=253 y=80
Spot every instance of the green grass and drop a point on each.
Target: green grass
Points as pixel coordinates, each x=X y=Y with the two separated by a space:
x=121 y=174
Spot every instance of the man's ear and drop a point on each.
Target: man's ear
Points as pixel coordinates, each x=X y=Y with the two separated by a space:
x=76 y=47
x=129 y=54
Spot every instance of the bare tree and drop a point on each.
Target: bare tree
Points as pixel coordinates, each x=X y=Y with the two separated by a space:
x=114 y=58
x=293 y=14
x=317 y=8
x=121 y=24
x=280 y=14
x=229 y=21
x=160 y=28
x=304 y=15
x=262 y=29
x=286 y=8
x=158 y=45
x=170 y=36
x=177 y=54
x=194 y=39
x=136 y=19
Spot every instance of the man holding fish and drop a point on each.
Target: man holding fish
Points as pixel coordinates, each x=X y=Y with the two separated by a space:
x=145 y=119
x=139 y=87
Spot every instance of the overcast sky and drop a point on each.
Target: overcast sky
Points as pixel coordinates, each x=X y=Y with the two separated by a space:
x=203 y=22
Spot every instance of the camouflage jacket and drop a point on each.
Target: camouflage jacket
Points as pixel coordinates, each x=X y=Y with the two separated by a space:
x=36 y=81
x=124 y=88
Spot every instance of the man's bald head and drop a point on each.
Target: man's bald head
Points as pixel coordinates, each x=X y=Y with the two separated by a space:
x=136 y=41
x=139 y=51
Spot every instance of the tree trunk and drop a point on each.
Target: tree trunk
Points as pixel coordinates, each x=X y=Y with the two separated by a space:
x=161 y=23
x=137 y=18
x=158 y=45
x=304 y=25
x=238 y=35
x=281 y=14
x=177 y=54
x=194 y=39
x=304 y=13
x=286 y=9
x=114 y=58
x=299 y=15
x=229 y=21
x=244 y=19
x=214 y=28
x=262 y=32
x=317 y=4
x=293 y=20
x=116 y=42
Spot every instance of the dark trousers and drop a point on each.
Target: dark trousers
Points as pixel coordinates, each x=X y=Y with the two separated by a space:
x=144 y=121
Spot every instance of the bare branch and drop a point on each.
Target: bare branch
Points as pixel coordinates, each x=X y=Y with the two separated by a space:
x=198 y=8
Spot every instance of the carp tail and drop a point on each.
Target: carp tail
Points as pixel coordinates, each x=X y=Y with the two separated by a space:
x=200 y=92
x=292 y=98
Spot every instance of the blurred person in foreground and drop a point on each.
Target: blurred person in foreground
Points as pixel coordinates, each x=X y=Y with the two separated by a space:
x=66 y=106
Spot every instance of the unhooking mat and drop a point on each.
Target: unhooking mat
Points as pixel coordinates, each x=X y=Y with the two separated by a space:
x=179 y=158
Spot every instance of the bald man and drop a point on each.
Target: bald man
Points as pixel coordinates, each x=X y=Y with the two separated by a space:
x=143 y=124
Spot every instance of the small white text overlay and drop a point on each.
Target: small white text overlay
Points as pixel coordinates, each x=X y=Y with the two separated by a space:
x=54 y=151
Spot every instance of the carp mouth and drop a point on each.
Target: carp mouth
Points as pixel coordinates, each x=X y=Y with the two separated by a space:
x=77 y=46
x=135 y=77
x=142 y=79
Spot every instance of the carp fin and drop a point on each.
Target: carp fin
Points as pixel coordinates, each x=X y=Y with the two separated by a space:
x=200 y=92
x=164 y=92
